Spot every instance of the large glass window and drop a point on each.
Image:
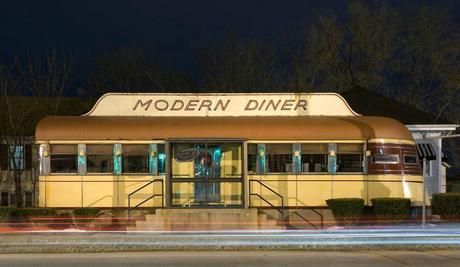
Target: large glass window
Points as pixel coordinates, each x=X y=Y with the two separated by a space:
x=99 y=158
x=350 y=157
x=63 y=158
x=135 y=158
x=314 y=158
x=278 y=158
x=252 y=158
x=206 y=174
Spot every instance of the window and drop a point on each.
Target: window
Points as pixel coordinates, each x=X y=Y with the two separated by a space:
x=278 y=158
x=252 y=158
x=314 y=158
x=410 y=159
x=63 y=158
x=4 y=200
x=350 y=157
x=385 y=159
x=16 y=157
x=135 y=158
x=99 y=158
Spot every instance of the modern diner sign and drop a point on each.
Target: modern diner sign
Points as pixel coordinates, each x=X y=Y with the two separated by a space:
x=221 y=105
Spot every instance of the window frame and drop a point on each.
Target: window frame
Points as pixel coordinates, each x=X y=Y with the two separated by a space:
x=123 y=158
x=386 y=162
x=267 y=172
x=409 y=155
x=63 y=173
x=99 y=173
x=362 y=153
x=22 y=157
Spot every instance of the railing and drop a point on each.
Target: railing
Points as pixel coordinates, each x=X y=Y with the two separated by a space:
x=279 y=209
x=307 y=221
x=147 y=199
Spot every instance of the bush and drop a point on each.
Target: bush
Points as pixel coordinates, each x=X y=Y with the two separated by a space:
x=5 y=213
x=33 y=212
x=346 y=210
x=391 y=208
x=86 y=212
x=447 y=205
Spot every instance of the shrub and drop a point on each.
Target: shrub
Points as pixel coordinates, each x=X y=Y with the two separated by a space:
x=346 y=210
x=5 y=213
x=86 y=212
x=447 y=205
x=31 y=212
x=391 y=208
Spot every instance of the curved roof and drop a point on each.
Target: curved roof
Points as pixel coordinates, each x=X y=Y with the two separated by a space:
x=255 y=128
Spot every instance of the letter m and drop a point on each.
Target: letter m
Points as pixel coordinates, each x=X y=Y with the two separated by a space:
x=146 y=104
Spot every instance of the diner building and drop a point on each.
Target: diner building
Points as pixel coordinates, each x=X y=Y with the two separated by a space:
x=223 y=151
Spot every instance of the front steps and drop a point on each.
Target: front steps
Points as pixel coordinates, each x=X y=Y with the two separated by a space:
x=206 y=220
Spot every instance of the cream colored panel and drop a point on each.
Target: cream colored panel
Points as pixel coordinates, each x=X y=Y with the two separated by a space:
x=100 y=191
x=311 y=193
x=63 y=191
x=221 y=105
x=129 y=184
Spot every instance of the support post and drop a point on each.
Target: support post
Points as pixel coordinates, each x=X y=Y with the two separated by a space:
x=424 y=194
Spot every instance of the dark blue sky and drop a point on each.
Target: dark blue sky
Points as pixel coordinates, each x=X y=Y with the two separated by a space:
x=173 y=29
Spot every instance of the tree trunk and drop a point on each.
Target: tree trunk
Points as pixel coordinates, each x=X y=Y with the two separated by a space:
x=18 y=189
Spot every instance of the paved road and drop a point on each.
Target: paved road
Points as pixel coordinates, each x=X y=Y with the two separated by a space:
x=255 y=258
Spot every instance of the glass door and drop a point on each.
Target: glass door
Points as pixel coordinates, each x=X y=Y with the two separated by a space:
x=206 y=174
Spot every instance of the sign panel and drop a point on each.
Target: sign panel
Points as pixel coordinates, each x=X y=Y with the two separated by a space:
x=202 y=105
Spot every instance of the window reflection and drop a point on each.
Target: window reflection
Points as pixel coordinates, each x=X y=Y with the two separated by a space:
x=350 y=157
x=135 y=158
x=278 y=158
x=314 y=158
x=63 y=158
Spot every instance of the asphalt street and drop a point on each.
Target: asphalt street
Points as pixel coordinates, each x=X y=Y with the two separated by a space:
x=247 y=258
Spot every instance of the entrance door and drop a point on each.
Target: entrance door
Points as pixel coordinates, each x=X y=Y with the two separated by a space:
x=206 y=174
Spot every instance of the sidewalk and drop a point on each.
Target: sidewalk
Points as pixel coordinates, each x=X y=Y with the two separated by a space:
x=442 y=236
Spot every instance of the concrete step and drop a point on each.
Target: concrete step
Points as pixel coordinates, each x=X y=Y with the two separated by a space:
x=206 y=219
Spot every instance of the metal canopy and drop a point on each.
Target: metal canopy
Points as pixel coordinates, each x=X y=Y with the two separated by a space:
x=426 y=151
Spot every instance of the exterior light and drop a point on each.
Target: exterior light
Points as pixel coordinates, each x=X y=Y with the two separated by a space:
x=261 y=153
x=117 y=152
x=46 y=153
x=332 y=153
x=296 y=153
x=368 y=153
x=153 y=154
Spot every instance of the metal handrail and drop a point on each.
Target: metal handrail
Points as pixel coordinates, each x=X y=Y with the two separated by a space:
x=280 y=210
x=306 y=220
x=145 y=200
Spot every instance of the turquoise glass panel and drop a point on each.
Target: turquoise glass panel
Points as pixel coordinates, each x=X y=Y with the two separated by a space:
x=260 y=158
x=332 y=160
x=296 y=158
x=117 y=159
x=153 y=159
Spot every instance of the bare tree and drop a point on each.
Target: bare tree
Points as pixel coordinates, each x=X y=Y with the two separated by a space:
x=28 y=93
x=427 y=69
x=240 y=66
x=343 y=52
x=131 y=69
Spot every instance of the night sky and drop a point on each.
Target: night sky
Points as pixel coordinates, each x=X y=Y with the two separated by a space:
x=173 y=29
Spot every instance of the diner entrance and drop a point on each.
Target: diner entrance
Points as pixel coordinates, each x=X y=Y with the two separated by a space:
x=206 y=174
